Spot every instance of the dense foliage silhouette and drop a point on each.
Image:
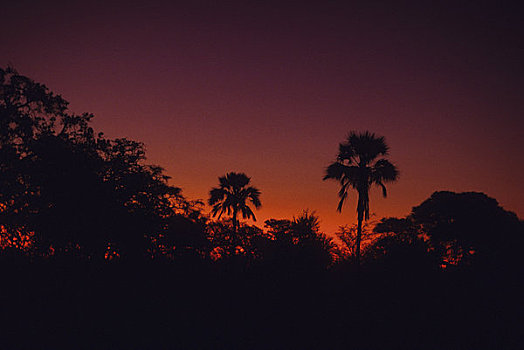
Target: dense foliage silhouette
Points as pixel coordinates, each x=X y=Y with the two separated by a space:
x=99 y=251
x=296 y=244
x=72 y=191
x=469 y=228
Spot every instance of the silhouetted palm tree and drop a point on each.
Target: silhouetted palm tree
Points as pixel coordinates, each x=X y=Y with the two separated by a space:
x=232 y=195
x=358 y=166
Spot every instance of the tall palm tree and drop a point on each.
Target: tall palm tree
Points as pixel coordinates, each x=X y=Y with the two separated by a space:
x=232 y=195
x=360 y=164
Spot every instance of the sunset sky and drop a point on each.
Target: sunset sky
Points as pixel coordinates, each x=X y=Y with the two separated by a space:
x=271 y=88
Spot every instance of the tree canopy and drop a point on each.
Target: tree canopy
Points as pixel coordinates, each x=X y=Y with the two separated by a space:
x=456 y=229
x=232 y=197
x=69 y=189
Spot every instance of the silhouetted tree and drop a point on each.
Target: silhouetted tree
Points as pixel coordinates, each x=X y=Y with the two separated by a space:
x=401 y=244
x=144 y=200
x=186 y=229
x=232 y=197
x=70 y=190
x=453 y=229
x=45 y=152
x=469 y=227
x=359 y=166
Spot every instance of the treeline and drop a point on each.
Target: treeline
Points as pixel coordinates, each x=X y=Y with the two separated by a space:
x=68 y=191
x=99 y=250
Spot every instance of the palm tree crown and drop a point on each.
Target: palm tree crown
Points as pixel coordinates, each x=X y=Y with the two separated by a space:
x=360 y=164
x=232 y=197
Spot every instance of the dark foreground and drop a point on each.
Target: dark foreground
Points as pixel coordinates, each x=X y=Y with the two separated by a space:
x=65 y=305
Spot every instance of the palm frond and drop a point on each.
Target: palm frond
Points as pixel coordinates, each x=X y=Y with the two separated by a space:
x=345 y=153
x=254 y=196
x=384 y=190
x=384 y=171
x=247 y=213
x=342 y=200
x=367 y=146
x=216 y=195
x=334 y=171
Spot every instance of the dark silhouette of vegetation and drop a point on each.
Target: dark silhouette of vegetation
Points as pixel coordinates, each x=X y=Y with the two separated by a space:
x=359 y=166
x=348 y=234
x=297 y=244
x=455 y=230
x=400 y=244
x=99 y=251
x=232 y=197
x=229 y=242
x=71 y=190
x=469 y=228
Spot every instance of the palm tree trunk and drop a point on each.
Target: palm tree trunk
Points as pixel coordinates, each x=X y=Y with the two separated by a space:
x=359 y=234
x=360 y=211
x=235 y=231
x=235 y=224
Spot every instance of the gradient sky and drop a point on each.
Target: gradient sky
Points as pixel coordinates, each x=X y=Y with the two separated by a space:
x=271 y=88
